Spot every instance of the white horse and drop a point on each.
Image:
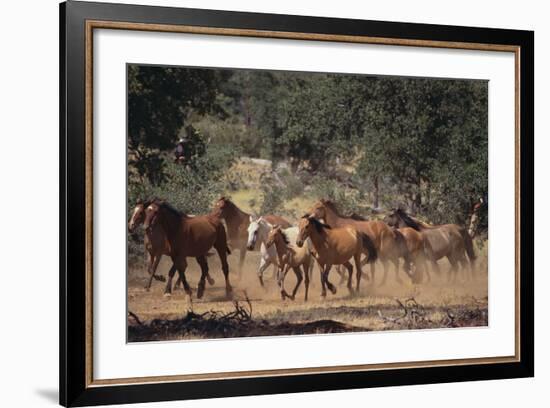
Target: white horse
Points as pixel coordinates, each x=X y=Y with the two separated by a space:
x=258 y=232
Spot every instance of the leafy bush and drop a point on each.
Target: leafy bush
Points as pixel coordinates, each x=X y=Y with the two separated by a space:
x=348 y=200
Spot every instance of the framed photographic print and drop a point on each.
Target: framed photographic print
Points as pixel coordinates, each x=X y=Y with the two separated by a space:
x=255 y=203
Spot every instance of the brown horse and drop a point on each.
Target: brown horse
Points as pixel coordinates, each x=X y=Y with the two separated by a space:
x=335 y=246
x=419 y=250
x=156 y=245
x=290 y=256
x=446 y=240
x=390 y=244
x=189 y=236
x=237 y=222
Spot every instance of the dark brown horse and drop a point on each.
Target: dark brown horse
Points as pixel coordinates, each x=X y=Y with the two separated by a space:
x=446 y=240
x=390 y=244
x=189 y=236
x=156 y=245
x=237 y=222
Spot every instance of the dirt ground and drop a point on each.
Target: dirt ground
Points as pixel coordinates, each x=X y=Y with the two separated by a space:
x=260 y=311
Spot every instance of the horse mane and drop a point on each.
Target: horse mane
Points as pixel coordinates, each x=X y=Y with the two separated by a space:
x=357 y=217
x=169 y=207
x=318 y=224
x=408 y=220
x=231 y=204
x=332 y=206
x=285 y=237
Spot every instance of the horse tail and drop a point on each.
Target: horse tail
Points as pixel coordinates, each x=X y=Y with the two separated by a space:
x=223 y=235
x=367 y=243
x=468 y=244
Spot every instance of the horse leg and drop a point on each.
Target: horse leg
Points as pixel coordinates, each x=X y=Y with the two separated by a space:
x=349 y=267
x=168 y=287
x=420 y=265
x=372 y=272
x=221 y=248
x=322 y=275
x=307 y=269
x=330 y=286
x=397 y=277
x=359 y=272
x=181 y=265
x=435 y=268
x=281 y=280
x=299 y=278
x=341 y=273
x=242 y=254
x=385 y=265
x=209 y=278
x=263 y=266
x=204 y=274
x=152 y=269
x=451 y=275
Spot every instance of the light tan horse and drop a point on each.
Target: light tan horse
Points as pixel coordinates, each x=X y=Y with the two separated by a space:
x=420 y=250
x=446 y=240
x=335 y=246
x=290 y=256
x=389 y=244
x=237 y=222
x=189 y=237
x=156 y=245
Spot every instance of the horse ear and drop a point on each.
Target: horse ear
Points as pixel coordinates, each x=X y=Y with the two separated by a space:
x=306 y=215
x=251 y=218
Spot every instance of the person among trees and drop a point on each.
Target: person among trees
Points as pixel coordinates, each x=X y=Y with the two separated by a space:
x=180 y=151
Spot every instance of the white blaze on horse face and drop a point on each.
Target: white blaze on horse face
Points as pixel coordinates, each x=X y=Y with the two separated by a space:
x=253 y=228
x=137 y=210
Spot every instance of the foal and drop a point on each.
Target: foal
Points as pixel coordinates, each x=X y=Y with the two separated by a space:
x=290 y=256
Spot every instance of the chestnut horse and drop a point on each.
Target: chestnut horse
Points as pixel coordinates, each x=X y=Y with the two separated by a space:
x=390 y=244
x=156 y=245
x=237 y=222
x=189 y=236
x=290 y=256
x=335 y=246
x=446 y=240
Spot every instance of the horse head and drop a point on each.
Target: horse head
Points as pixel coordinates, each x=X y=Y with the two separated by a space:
x=151 y=215
x=138 y=216
x=306 y=225
x=393 y=219
x=273 y=235
x=253 y=231
x=319 y=210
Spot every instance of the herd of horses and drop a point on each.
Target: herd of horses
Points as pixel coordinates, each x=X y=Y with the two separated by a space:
x=323 y=237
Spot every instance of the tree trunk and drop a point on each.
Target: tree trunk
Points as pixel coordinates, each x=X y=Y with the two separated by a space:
x=376 y=193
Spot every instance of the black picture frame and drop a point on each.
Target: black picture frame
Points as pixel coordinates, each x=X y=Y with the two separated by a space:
x=74 y=390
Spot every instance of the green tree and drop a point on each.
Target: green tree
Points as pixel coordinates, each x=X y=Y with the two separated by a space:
x=160 y=99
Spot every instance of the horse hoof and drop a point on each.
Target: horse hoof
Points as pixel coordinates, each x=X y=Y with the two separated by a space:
x=211 y=281
x=167 y=295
